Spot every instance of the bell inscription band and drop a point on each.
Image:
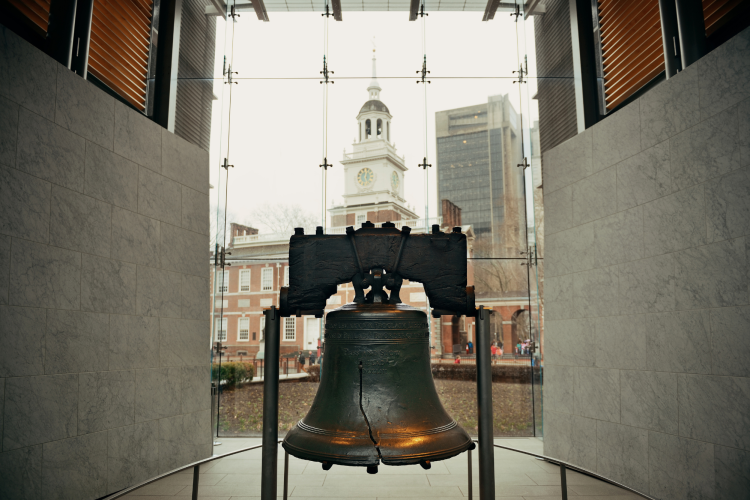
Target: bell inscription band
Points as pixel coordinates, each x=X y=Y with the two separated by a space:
x=377 y=400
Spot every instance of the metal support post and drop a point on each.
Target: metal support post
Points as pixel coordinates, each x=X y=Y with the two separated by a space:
x=270 y=406
x=584 y=64
x=61 y=30
x=286 y=474
x=692 y=31
x=81 y=37
x=470 y=483
x=563 y=482
x=484 y=399
x=196 y=477
x=670 y=37
x=167 y=58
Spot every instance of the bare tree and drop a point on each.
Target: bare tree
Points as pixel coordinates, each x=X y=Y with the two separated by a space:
x=222 y=229
x=493 y=274
x=284 y=218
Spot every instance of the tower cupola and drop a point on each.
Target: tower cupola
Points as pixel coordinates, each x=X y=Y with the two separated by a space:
x=374 y=118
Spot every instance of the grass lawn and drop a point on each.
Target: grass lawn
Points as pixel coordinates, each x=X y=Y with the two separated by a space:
x=241 y=408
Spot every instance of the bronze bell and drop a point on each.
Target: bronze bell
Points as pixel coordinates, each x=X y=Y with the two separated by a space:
x=377 y=400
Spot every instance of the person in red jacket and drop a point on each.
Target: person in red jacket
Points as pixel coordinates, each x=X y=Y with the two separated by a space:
x=457 y=360
x=493 y=350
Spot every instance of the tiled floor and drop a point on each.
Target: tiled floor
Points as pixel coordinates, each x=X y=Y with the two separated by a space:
x=517 y=477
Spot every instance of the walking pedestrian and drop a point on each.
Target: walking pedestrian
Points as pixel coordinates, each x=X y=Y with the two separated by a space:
x=470 y=345
x=312 y=357
x=493 y=350
x=302 y=359
x=457 y=360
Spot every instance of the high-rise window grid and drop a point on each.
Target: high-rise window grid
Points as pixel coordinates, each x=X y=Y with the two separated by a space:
x=245 y=280
x=244 y=329
x=290 y=328
x=266 y=279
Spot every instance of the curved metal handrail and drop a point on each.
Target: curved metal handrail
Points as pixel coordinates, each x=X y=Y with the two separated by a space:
x=575 y=468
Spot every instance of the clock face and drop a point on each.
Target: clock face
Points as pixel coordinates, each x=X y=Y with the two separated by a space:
x=394 y=181
x=365 y=177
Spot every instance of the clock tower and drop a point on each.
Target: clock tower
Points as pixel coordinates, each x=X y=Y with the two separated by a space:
x=374 y=172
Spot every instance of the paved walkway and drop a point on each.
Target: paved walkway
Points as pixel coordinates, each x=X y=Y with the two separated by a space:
x=517 y=477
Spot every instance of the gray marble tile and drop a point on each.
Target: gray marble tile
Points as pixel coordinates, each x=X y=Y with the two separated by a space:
x=79 y=222
x=570 y=342
x=617 y=137
x=39 y=409
x=730 y=341
x=24 y=205
x=680 y=342
x=4 y=268
x=105 y=400
x=132 y=454
x=21 y=473
x=8 y=131
x=647 y=285
x=570 y=251
x=195 y=211
x=560 y=388
x=184 y=251
x=133 y=342
x=619 y=238
x=568 y=162
x=135 y=238
x=49 y=151
x=644 y=177
x=84 y=109
x=195 y=297
x=184 y=439
x=744 y=114
x=30 y=75
x=707 y=150
x=159 y=293
x=108 y=286
x=732 y=472
x=76 y=342
x=159 y=197
x=680 y=468
x=622 y=454
x=725 y=75
x=75 y=468
x=598 y=394
x=621 y=342
x=675 y=222
x=570 y=438
x=595 y=196
x=558 y=297
x=670 y=107
x=728 y=206
x=157 y=393
x=715 y=409
x=44 y=276
x=649 y=400
x=595 y=293
x=196 y=388
x=182 y=342
x=111 y=178
x=137 y=138
x=713 y=275
x=184 y=162
x=558 y=209
x=21 y=341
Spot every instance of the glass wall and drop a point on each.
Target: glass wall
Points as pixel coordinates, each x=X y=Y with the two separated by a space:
x=376 y=119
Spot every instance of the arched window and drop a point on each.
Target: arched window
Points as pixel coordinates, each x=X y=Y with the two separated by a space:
x=388 y=131
x=368 y=129
x=360 y=132
x=380 y=127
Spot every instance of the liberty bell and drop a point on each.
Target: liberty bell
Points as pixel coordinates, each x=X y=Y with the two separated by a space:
x=377 y=401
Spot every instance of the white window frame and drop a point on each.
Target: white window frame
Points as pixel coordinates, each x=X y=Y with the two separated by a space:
x=262 y=327
x=286 y=276
x=266 y=279
x=290 y=328
x=244 y=273
x=360 y=218
x=221 y=329
x=223 y=284
x=246 y=330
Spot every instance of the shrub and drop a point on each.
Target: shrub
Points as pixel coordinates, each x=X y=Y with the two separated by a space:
x=313 y=374
x=233 y=373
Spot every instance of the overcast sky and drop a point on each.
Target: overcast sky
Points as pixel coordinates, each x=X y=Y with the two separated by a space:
x=277 y=106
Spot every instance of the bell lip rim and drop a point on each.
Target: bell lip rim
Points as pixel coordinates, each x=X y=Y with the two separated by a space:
x=350 y=307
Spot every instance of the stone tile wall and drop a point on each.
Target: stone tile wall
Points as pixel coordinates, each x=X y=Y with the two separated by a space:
x=647 y=271
x=104 y=332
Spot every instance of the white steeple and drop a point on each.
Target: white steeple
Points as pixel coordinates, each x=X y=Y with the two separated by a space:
x=374 y=89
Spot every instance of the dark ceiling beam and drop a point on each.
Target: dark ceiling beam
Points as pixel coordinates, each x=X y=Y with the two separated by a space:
x=260 y=10
x=414 y=10
x=336 y=4
x=489 y=11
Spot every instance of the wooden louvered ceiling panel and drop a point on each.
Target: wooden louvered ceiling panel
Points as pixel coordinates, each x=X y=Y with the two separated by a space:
x=632 y=52
x=120 y=41
x=716 y=13
x=37 y=11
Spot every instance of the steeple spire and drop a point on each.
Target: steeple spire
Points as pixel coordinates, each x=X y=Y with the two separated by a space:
x=374 y=88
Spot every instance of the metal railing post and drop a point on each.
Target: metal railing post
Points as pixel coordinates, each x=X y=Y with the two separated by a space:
x=286 y=474
x=484 y=400
x=563 y=482
x=270 y=406
x=196 y=477
x=470 y=485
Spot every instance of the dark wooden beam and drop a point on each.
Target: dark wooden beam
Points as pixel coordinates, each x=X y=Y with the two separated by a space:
x=414 y=10
x=260 y=10
x=489 y=11
x=336 y=4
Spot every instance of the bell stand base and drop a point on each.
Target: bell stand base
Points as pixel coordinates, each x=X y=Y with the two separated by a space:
x=271 y=411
